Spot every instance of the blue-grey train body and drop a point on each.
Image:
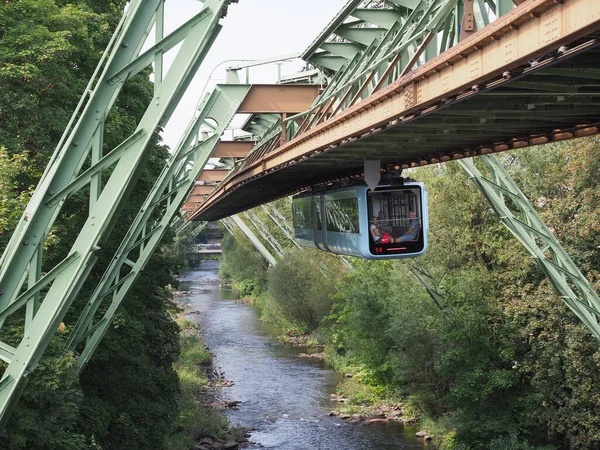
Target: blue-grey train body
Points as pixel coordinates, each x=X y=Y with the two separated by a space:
x=347 y=231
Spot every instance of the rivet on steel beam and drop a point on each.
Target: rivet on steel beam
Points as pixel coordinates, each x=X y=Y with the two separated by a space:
x=458 y=156
x=500 y=147
x=124 y=45
x=423 y=162
x=25 y=242
x=534 y=14
x=434 y=161
x=414 y=164
x=485 y=150
x=1 y=292
x=513 y=26
x=563 y=49
x=445 y=158
x=507 y=75
x=75 y=144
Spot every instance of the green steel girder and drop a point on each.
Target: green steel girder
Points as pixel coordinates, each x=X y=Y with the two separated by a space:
x=345 y=50
x=364 y=36
x=169 y=192
x=384 y=18
x=264 y=232
x=64 y=176
x=278 y=219
x=519 y=216
x=237 y=220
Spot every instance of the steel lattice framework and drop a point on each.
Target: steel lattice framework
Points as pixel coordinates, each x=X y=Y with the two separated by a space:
x=48 y=296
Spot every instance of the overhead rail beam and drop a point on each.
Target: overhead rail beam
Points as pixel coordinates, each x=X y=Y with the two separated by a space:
x=279 y=98
x=233 y=149
x=343 y=128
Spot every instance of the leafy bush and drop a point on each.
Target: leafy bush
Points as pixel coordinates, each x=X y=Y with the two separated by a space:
x=247 y=287
x=513 y=443
x=303 y=288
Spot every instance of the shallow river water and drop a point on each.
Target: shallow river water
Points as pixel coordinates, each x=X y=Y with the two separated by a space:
x=285 y=398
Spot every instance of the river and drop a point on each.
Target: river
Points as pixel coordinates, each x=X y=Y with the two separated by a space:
x=284 y=398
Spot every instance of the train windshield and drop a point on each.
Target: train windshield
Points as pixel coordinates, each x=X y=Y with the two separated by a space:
x=395 y=221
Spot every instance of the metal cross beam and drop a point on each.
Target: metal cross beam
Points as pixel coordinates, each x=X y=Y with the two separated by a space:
x=237 y=220
x=273 y=213
x=264 y=232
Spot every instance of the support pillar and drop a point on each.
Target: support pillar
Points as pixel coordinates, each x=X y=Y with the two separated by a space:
x=255 y=241
x=519 y=216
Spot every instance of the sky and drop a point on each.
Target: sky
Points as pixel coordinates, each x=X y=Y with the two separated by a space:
x=252 y=29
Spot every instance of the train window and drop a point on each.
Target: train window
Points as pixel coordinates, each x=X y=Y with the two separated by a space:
x=342 y=215
x=302 y=212
x=398 y=216
x=318 y=213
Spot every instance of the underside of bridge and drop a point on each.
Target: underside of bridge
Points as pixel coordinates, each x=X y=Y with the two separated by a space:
x=530 y=77
x=557 y=102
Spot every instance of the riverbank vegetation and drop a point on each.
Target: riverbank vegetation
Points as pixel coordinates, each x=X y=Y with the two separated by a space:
x=496 y=360
x=194 y=420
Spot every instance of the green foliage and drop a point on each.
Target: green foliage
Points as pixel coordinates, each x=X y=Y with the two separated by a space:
x=192 y=352
x=514 y=443
x=240 y=262
x=193 y=420
x=12 y=200
x=247 y=287
x=303 y=287
x=48 y=413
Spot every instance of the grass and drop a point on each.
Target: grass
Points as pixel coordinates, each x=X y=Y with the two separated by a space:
x=194 y=420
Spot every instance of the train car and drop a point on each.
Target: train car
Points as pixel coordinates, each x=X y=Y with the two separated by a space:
x=390 y=222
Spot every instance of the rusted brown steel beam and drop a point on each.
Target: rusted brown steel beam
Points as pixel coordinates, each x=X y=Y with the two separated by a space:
x=233 y=149
x=195 y=199
x=215 y=175
x=468 y=25
x=202 y=189
x=279 y=98
x=189 y=206
x=529 y=31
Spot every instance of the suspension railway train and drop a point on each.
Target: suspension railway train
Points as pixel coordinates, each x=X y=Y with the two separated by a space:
x=390 y=222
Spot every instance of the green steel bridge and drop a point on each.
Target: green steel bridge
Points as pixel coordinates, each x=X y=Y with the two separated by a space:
x=406 y=83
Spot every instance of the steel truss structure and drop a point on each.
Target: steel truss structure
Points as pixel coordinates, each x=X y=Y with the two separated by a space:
x=232 y=221
x=264 y=232
x=519 y=216
x=410 y=87
x=48 y=296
